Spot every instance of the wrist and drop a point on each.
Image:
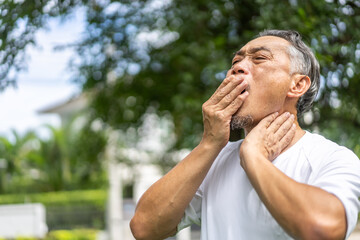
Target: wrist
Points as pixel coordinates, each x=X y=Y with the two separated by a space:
x=251 y=160
x=211 y=146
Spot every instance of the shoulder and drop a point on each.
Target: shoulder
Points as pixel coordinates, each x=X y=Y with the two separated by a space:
x=335 y=170
x=321 y=151
x=315 y=143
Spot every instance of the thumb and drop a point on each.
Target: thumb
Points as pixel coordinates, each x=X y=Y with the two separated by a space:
x=266 y=121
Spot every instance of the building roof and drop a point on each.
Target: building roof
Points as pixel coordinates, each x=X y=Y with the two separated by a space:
x=70 y=106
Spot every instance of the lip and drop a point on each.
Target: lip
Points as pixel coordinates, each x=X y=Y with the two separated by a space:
x=246 y=89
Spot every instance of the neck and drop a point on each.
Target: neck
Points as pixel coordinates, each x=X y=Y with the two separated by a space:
x=299 y=132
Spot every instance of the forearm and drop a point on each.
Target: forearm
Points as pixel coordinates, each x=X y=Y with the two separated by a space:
x=162 y=206
x=304 y=211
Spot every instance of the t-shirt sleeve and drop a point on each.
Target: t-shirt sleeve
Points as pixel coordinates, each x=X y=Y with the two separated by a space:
x=192 y=212
x=340 y=175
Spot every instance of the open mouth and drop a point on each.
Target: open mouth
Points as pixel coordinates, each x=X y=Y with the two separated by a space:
x=246 y=89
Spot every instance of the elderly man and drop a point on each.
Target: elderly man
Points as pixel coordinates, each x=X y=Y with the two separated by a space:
x=280 y=182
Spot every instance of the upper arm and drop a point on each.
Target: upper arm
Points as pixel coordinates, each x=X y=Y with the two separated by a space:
x=172 y=233
x=340 y=177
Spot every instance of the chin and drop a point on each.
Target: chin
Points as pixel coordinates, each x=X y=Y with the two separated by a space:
x=241 y=122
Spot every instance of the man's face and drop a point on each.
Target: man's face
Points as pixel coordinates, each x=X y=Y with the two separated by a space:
x=265 y=64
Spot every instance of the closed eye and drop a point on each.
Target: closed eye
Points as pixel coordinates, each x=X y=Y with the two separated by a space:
x=260 y=58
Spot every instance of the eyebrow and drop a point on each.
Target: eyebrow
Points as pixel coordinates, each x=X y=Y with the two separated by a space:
x=253 y=50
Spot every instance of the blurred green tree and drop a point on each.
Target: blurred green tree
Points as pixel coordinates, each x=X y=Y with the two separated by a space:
x=171 y=55
x=70 y=158
x=19 y=21
x=13 y=153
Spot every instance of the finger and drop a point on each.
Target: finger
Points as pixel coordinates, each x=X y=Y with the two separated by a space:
x=229 y=72
x=225 y=82
x=231 y=96
x=289 y=135
x=275 y=125
x=225 y=88
x=266 y=121
x=234 y=106
x=285 y=126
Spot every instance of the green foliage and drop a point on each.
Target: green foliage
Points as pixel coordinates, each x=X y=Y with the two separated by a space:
x=194 y=45
x=171 y=55
x=25 y=238
x=71 y=158
x=12 y=155
x=65 y=198
x=77 y=234
x=19 y=21
x=67 y=209
x=87 y=160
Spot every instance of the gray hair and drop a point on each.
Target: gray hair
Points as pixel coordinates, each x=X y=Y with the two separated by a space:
x=303 y=61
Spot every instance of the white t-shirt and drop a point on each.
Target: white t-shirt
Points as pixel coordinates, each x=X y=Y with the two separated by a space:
x=227 y=206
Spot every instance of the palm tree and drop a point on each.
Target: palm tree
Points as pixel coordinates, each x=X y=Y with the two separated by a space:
x=13 y=160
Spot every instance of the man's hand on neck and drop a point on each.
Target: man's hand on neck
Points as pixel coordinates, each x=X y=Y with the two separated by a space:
x=269 y=137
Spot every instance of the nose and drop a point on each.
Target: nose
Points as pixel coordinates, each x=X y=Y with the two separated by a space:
x=239 y=68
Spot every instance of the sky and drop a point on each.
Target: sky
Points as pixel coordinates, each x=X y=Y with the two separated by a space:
x=45 y=83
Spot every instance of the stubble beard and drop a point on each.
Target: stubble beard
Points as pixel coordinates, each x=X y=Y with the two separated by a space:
x=239 y=122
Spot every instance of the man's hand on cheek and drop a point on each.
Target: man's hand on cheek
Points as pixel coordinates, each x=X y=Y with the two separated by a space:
x=269 y=138
x=219 y=109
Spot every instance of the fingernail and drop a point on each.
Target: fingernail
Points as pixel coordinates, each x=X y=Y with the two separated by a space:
x=287 y=114
x=292 y=116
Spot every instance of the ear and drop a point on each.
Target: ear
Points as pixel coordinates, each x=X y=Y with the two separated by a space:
x=299 y=85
